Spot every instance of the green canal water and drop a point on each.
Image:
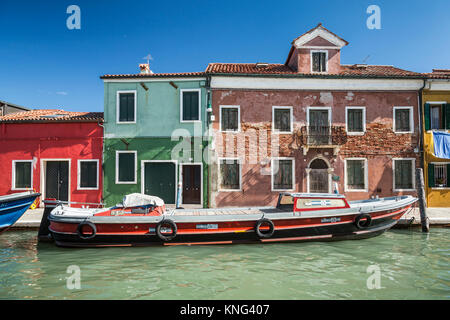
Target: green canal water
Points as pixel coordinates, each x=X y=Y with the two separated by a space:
x=412 y=265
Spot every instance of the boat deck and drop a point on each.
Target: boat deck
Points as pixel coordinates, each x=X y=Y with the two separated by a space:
x=223 y=211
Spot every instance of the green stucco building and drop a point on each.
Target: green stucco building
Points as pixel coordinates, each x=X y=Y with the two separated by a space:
x=155 y=136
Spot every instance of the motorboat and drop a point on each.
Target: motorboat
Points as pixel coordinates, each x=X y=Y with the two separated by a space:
x=13 y=206
x=144 y=220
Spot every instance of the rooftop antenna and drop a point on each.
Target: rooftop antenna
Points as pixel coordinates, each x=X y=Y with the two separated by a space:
x=366 y=58
x=148 y=58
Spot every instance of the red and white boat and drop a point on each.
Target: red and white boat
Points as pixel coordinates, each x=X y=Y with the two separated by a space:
x=144 y=220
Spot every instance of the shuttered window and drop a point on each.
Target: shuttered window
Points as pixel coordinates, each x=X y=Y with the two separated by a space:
x=230 y=174
x=282 y=119
x=282 y=174
x=126 y=167
x=229 y=119
x=402 y=120
x=403 y=174
x=88 y=174
x=319 y=62
x=190 y=105
x=355 y=120
x=22 y=175
x=356 y=174
x=439 y=175
x=126 y=107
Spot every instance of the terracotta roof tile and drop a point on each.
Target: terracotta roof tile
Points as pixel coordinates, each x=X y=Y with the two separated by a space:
x=153 y=75
x=364 y=71
x=438 y=74
x=52 y=115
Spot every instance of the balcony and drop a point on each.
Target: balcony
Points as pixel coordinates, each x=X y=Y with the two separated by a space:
x=317 y=136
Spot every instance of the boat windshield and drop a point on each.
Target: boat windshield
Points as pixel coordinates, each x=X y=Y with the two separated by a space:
x=286 y=202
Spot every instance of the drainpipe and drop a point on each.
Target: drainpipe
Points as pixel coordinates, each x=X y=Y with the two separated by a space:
x=208 y=123
x=103 y=159
x=420 y=113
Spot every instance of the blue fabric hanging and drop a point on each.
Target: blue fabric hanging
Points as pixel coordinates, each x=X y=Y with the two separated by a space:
x=441 y=141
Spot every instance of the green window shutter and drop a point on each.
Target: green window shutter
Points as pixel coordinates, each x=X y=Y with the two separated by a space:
x=447 y=116
x=448 y=175
x=427 y=116
x=190 y=105
x=23 y=175
x=126 y=107
x=126 y=167
x=88 y=174
x=430 y=175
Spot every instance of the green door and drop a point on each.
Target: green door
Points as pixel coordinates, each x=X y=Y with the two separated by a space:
x=160 y=180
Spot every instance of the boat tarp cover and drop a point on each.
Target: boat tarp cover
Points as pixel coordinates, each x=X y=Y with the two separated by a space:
x=138 y=199
x=441 y=141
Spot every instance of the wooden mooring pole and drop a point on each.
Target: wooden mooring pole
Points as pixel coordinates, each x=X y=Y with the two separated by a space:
x=422 y=202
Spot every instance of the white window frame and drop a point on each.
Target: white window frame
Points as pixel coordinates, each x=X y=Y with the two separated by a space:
x=118 y=106
x=366 y=176
x=135 y=166
x=272 y=173
x=326 y=61
x=274 y=130
x=439 y=188
x=411 y=119
x=199 y=104
x=413 y=169
x=435 y=103
x=13 y=181
x=220 y=175
x=79 y=174
x=355 y=133
x=220 y=117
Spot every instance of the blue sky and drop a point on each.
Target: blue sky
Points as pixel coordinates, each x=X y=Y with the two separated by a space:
x=43 y=64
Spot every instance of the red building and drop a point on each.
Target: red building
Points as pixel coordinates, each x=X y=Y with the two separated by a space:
x=54 y=152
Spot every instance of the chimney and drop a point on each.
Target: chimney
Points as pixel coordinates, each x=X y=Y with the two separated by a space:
x=145 y=68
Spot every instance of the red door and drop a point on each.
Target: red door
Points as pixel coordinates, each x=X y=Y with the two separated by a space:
x=192 y=184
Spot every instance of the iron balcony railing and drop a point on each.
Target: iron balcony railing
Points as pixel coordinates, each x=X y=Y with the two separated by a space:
x=318 y=135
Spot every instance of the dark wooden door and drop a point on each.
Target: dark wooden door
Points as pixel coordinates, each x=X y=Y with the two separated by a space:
x=160 y=180
x=57 y=180
x=192 y=184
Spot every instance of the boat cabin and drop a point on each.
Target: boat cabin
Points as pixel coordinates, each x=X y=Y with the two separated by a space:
x=311 y=201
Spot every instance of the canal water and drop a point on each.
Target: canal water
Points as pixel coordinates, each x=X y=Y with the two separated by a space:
x=408 y=264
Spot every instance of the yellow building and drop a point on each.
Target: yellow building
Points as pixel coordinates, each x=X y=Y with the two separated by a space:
x=436 y=117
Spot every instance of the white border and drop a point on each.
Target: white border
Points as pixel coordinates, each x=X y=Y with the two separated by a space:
x=411 y=119
x=290 y=108
x=13 y=181
x=79 y=174
x=355 y=133
x=118 y=106
x=293 y=173
x=326 y=61
x=366 y=176
x=220 y=117
x=220 y=175
x=143 y=162
x=413 y=169
x=43 y=176
x=199 y=104
x=135 y=166
x=201 y=180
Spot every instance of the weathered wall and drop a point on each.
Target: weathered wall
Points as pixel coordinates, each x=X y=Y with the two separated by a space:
x=37 y=141
x=436 y=197
x=379 y=144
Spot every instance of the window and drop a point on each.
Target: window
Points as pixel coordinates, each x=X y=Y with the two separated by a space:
x=229 y=118
x=437 y=115
x=87 y=174
x=356 y=120
x=319 y=61
x=356 y=174
x=126 y=163
x=403 y=119
x=282 y=174
x=190 y=105
x=439 y=175
x=404 y=174
x=282 y=119
x=230 y=174
x=126 y=106
x=22 y=175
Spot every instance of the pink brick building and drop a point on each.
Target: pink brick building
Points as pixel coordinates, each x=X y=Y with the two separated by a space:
x=310 y=123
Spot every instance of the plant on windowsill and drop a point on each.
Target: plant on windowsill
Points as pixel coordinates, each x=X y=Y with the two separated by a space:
x=440 y=182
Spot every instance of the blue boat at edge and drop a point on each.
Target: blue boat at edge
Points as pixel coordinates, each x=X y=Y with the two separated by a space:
x=13 y=206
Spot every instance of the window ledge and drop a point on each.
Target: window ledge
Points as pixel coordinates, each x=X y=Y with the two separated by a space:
x=356 y=133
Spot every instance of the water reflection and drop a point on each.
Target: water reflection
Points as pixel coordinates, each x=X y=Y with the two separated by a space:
x=413 y=266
